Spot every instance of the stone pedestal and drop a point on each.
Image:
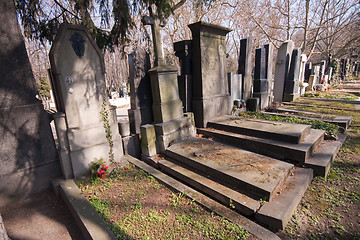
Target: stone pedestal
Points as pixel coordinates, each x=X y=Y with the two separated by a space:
x=211 y=96
x=282 y=69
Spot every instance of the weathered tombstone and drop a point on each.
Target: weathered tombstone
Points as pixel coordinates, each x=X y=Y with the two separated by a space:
x=330 y=70
x=343 y=68
x=302 y=68
x=140 y=112
x=211 y=96
x=184 y=52
x=269 y=68
x=28 y=156
x=235 y=87
x=245 y=67
x=170 y=123
x=282 y=69
x=260 y=81
x=311 y=83
x=308 y=70
x=83 y=120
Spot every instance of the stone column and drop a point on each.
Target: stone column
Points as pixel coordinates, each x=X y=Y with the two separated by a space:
x=183 y=51
x=282 y=69
x=292 y=83
x=260 y=81
x=245 y=67
x=211 y=96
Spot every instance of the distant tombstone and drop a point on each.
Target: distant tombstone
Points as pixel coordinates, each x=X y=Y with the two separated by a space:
x=317 y=74
x=302 y=68
x=141 y=100
x=292 y=84
x=28 y=156
x=184 y=52
x=235 y=87
x=311 y=83
x=322 y=69
x=245 y=67
x=308 y=70
x=282 y=69
x=269 y=68
x=330 y=70
x=343 y=68
x=79 y=80
x=260 y=81
x=211 y=96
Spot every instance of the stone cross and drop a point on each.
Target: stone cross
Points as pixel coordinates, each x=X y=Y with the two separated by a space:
x=156 y=23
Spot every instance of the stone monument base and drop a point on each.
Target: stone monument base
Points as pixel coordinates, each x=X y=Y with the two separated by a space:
x=264 y=99
x=289 y=97
x=206 y=109
x=177 y=129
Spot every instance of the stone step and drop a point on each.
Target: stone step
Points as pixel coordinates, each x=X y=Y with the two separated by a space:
x=273 y=148
x=242 y=203
x=252 y=173
x=280 y=131
x=322 y=158
x=279 y=210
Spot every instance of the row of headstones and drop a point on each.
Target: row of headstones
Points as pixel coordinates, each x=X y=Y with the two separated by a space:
x=348 y=67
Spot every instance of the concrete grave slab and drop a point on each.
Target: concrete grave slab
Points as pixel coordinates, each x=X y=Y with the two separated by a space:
x=287 y=132
x=256 y=174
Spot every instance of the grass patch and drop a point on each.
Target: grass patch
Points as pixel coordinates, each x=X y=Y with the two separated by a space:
x=330 y=208
x=136 y=206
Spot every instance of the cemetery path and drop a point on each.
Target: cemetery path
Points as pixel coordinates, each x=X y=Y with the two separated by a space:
x=40 y=216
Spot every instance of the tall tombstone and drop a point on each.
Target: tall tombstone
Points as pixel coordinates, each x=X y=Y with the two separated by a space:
x=282 y=69
x=302 y=68
x=245 y=67
x=330 y=70
x=322 y=69
x=308 y=71
x=235 y=86
x=269 y=48
x=316 y=74
x=292 y=90
x=141 y=101
x=343 y=68
x=28 y=156
x=183 y=51
x=211 y=96
x=78 y=71
x=260 y=81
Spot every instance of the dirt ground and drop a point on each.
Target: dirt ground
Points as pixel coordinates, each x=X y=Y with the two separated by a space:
x=40 y=216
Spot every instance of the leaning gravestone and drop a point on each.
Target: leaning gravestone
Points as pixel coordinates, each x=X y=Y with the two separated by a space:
x=28 y=157
x=211 y=96
x=282 y=69
x=78 y=71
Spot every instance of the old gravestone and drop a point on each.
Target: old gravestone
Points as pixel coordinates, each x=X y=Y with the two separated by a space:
x=28 y=157
x=78 y=71
x=308 y=70
x=261 y=88
x=169 y=121
x=211 y=96
x=291 y=91
x=141 y=101
x=245 y=67
x=183 y=51
x=282 y=69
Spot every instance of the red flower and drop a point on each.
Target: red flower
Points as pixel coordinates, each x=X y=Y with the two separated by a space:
x=101 y=172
